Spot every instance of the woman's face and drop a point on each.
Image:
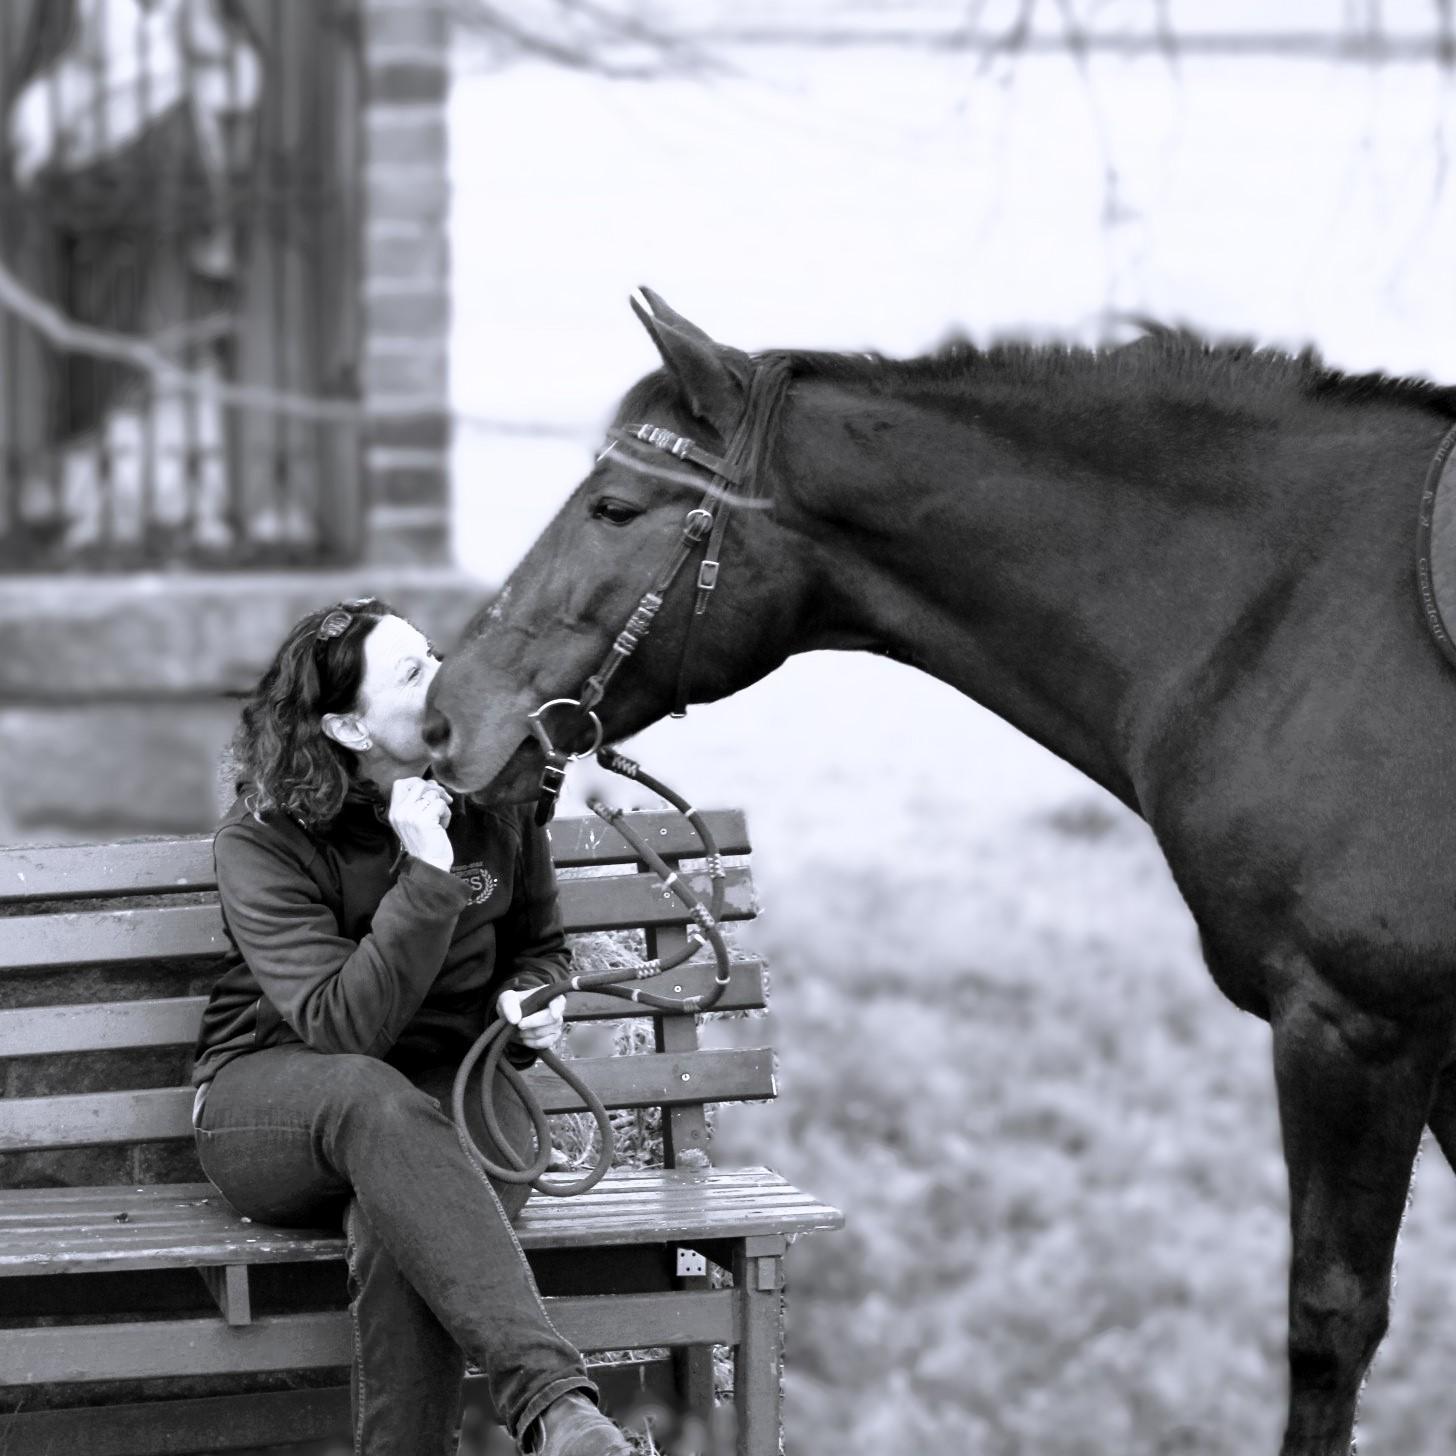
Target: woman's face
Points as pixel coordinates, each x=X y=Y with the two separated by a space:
x=399 y=666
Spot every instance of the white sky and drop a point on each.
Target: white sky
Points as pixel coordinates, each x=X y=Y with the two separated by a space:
x=875 y=198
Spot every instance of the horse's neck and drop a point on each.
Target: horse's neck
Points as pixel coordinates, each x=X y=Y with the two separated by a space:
x=1074 y=590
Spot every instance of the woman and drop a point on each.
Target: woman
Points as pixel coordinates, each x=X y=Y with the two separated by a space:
x=373 y=922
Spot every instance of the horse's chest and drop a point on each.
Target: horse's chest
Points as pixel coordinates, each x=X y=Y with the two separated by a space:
x=1241 y=978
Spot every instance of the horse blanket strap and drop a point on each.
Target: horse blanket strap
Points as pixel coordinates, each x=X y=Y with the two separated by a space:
x=1436 y=546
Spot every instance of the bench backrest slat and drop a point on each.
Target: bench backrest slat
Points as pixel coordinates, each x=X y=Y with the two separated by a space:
x=38 y=1031
x=189 y=932
x=173 y=1021
x=166 y=866
x=107 y=953
x=159 y=1113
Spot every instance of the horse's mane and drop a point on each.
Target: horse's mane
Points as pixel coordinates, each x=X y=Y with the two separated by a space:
x=1172 y=357
x=1171 y=361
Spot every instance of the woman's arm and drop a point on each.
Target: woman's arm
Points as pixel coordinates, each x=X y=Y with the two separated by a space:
x=338 y=995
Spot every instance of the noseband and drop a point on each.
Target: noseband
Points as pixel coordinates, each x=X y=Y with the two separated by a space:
x=703 y=522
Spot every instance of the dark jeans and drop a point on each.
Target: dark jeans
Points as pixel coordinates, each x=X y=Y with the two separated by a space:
x=297 y=1137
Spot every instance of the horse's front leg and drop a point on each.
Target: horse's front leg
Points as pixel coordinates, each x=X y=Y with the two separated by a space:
x=1353 y=1098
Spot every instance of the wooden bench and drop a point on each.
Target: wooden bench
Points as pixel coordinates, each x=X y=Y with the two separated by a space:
x=111 y=1344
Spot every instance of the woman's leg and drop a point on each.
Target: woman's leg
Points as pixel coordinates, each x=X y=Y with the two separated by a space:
x=287 y=1134
x=408 y=1371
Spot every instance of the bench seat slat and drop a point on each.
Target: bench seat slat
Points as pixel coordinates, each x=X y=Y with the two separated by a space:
x=154 y=1114
x=188 y=932
x=42 y=1209
x=190 y=1225
x=311 y=1341
x=115 y=1025
x=167 y=1199
x=163 y=866
x=217 y=1238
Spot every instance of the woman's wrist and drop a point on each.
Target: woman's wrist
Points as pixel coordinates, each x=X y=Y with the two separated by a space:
x=432 y=849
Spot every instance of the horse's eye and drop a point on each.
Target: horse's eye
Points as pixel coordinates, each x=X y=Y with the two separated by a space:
x=615 y=512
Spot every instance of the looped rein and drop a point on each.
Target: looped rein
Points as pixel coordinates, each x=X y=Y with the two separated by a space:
x=503 y=1162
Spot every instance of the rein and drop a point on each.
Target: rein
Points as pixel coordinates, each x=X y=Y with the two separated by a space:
x=701 y=523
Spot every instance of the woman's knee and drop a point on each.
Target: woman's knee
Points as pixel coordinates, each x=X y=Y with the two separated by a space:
x=371 y=1094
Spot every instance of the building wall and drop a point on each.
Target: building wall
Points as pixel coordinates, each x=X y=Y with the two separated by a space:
x=118 y=693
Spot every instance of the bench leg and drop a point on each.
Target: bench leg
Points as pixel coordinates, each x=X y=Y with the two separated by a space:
x=758 y=1360
x=692 y=1369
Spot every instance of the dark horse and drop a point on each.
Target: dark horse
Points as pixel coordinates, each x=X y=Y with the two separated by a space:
x=1189 y=571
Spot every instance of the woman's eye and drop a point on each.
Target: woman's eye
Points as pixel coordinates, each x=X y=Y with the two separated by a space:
x=615 y=512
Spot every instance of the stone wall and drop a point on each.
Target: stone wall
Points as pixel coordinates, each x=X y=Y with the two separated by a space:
x=117 y=694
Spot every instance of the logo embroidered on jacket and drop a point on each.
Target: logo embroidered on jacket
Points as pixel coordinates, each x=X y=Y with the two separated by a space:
x=481 y=881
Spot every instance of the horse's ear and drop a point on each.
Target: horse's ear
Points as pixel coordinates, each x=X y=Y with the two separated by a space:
x=713 y=377
x=661 y=310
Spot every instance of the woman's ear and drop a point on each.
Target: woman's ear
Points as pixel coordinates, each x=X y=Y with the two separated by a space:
x=346 y=730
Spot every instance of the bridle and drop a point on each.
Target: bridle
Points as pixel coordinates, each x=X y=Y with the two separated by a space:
x=703 y=523
x=700 y=523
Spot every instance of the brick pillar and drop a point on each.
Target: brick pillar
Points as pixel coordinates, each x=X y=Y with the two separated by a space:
x=406 y=282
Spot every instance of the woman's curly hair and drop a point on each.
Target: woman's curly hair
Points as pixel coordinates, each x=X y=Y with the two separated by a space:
x=285 y=761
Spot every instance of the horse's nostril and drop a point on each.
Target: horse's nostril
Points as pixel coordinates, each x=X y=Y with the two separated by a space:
x=436 y=731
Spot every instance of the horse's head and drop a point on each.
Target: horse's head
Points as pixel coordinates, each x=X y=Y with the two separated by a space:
x=555 y=621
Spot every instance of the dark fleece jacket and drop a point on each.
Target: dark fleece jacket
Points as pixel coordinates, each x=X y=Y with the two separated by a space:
x=339 y=940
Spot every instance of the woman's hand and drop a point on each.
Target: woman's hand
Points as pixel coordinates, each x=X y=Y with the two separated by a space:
x=542 y=1029
x=419 y=812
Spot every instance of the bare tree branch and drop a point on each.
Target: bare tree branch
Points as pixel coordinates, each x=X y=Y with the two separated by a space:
x=599 y=32
x=1022 y=38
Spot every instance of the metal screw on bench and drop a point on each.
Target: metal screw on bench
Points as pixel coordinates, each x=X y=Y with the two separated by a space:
x=489 y=1050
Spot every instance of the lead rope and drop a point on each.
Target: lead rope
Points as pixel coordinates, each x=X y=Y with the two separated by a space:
x=489 y=1050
